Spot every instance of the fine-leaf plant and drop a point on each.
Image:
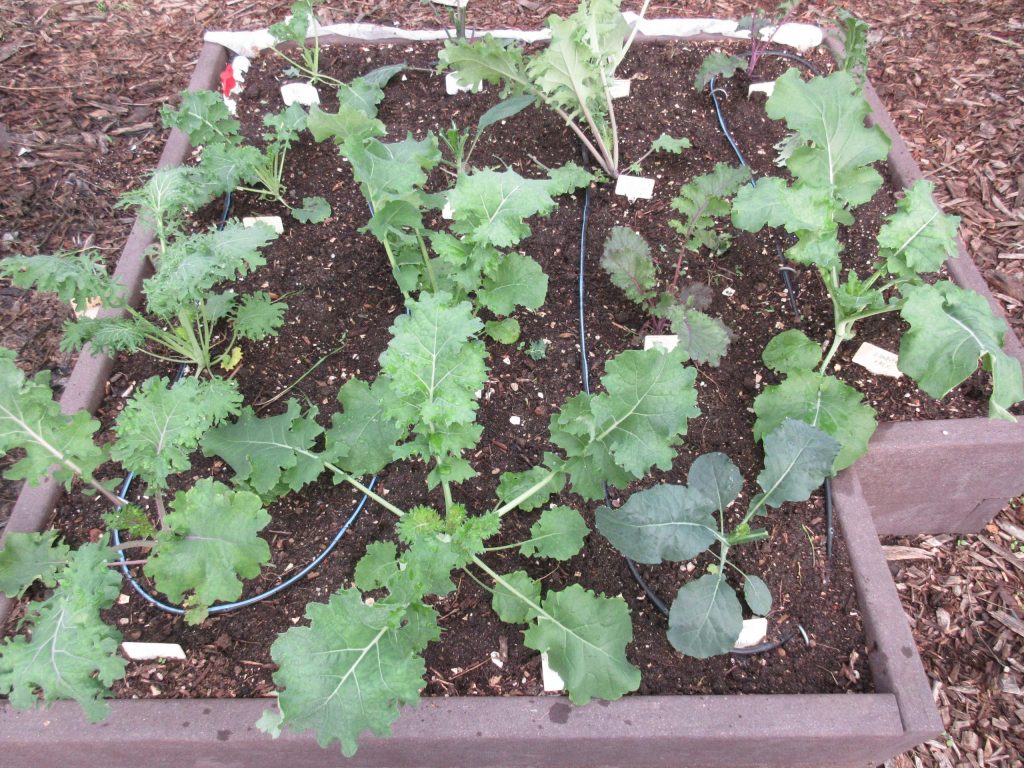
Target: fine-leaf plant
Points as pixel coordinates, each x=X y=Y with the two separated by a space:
x=855 y=45
x=184 y=311
x=358 y=661
x=234 y=164
x=664 y=143
x=676 y=523
x=572 y=75
x=952 y=329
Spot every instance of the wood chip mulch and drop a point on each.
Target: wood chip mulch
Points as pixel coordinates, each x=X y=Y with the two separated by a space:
x=80 y=88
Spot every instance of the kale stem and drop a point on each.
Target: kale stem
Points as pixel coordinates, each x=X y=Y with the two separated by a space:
x=359 y=486
x=447 y=489
x=506 y=508
x=426 y=261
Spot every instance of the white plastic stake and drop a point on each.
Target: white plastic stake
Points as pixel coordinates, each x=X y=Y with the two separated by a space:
x=766 y=88
x=619 y=88
x=754 y=631
x=666 y=343
x=634 y=188
x=879 y=361
x=451 y=85
x=299 y=93
x=446 y=212
x=553 y=682
x=273 y=221
x=149 y=651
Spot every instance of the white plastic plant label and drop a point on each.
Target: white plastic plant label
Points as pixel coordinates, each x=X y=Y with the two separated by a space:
x=451 y=3
x=754 y=631
x=150 y=651
x=766 y=88
x=451 y=85
x=666 y=343
x=879 y=361
x=634 y=187
x=619 y=87
x=553 y=682
x=299 y=93
x=447 y=213
x=273 y=221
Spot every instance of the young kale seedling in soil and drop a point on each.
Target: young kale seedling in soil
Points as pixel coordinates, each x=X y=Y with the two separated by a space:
x=951 y=328
x=572 y=75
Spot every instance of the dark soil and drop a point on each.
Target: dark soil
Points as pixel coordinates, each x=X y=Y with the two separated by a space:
x=343 y=295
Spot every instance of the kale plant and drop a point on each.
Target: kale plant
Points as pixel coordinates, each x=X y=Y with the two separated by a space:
x=302 y=59
x=952 y=329
x=229 y=163
x=572 y=76
x=185 y=313
x=669 y=301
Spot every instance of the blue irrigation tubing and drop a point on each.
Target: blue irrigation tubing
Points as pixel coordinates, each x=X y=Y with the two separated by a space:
x=785 y=270
x=253 y=599
x=634 y=571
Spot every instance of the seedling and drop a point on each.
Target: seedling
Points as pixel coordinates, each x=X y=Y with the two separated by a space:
x=952 y=329
x=572 y=76
x=294 y=30
x=762 y=32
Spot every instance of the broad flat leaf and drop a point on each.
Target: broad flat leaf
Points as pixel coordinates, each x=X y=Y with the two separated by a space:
x=716 y=479
x=377 y=567
x=566 y=72
x=491 y=207
x=513 y=484
x=209 y=543
x=347 y=672
x=161 y=425
x=258 y=316
x=27 y=557
x=828 y=113
x=434 y=363
x=702 y=201
x=74 y=277
x=824 y=402
x=267 y=453
x=393 y=219
x=503 y=331
x=706 y=617
x=666 y=143
x=516 y=598
x=568 y=178
x=704 y=339
x=286 y=125
x=951 y=328
x=203 y=117
x=381 y=76
x=72 y=653
x=666 y=523
x=757 y=595
x=348 y=127
x=486 y=60
x=627 y=260
x=717 y=64
x=503 y=110
x=314 y=210
x=797 y=459
x=518 y=280
x=393 y=171
x=224 y=166
x=791 y=351
x=585 y=636
x=296 y=24
x=361 y=439
x=918 y=237
x=618 y=435
x=31 y=419
x=648 y=398
x=558 y=534
x=168 y=191
x=803 y=210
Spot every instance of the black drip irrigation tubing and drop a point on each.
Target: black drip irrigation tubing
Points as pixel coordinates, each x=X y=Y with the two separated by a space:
x=653 y=596
x=253 y=599
x=785 y=270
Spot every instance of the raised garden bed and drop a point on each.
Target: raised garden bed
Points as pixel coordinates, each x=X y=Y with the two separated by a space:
x=732 y=730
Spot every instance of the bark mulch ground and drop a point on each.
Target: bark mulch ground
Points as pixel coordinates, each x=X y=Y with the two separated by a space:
x=82 y=81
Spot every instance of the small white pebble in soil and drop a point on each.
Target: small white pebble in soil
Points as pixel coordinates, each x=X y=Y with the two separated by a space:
x=514 y=386
x=728 y=292
x=496 y=659
x=515 y=420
